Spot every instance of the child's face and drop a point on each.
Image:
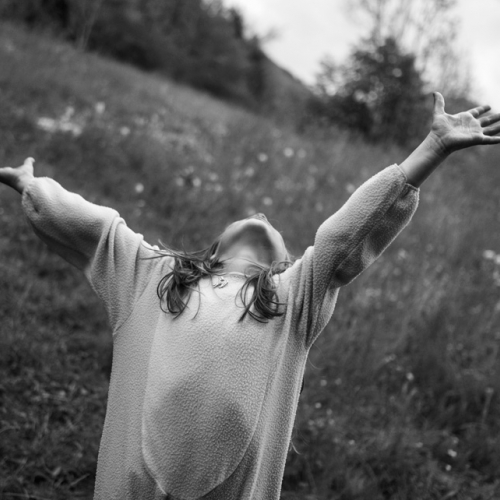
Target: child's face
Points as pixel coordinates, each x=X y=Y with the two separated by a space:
x=256 y=235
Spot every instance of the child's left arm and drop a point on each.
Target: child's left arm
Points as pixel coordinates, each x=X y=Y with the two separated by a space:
x=353 y=238
x=450 y=133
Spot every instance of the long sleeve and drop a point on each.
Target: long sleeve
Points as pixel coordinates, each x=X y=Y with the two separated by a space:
x=95 y=240
x=346 y=244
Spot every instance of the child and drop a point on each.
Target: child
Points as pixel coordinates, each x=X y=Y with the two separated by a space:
x=206 y=380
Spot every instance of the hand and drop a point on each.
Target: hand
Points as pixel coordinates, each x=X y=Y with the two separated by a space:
x=18 y=178
x=469 y=128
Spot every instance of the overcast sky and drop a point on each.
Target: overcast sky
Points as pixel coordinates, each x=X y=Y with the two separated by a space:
x=309 y=30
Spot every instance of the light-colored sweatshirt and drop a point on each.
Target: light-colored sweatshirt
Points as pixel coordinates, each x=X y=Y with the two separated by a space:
x=202 y=406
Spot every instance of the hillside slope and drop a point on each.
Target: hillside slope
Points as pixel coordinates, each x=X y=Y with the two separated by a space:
x=401 y=396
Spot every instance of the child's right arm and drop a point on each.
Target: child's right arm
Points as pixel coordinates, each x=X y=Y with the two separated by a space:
x=18 y=178
x=95 y=239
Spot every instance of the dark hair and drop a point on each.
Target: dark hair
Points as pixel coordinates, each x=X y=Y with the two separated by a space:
x=175 y=288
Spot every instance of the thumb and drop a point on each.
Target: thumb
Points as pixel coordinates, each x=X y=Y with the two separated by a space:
x=29 y=162
x=438 y=103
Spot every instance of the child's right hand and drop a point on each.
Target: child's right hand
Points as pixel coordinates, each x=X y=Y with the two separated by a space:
x=18 y=178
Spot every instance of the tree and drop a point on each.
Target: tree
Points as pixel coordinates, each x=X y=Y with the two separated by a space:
x=378 y=92
x=426 y=28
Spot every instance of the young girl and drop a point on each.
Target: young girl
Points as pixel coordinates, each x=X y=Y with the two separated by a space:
x=210 y=349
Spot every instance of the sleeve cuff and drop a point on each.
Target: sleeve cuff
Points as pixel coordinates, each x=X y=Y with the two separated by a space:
x=411 y=186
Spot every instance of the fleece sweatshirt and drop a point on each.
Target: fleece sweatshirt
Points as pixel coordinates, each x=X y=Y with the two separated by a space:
x=202 y=405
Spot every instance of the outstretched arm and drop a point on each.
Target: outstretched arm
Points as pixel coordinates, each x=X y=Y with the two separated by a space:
x=93 y=238
x=352 y=238
x=450 y=133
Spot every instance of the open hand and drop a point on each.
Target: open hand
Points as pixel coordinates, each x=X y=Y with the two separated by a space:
x=18 y=178
x=469 y=128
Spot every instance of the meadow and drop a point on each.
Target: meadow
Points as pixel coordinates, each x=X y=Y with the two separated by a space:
x=401 y=397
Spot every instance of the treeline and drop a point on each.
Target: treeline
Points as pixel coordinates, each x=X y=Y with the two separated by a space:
x=383 y=89
x=380 y=92
x=197 y=42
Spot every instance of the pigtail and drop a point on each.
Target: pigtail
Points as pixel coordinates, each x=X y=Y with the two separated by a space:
x=176 y=287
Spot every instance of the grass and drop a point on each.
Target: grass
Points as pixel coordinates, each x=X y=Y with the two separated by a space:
x=401 y=396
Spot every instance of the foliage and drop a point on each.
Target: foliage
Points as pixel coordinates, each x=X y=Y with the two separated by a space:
x=428 y=29
x=190 y=41
x=409 y=50
x=378 y=92
x=198 y=42
x=401 y=392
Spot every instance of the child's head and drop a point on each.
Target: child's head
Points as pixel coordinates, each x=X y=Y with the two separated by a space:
x=253 y=239
x=251 y=243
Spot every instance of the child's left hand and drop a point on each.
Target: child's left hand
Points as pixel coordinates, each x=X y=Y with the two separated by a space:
x=469 y=128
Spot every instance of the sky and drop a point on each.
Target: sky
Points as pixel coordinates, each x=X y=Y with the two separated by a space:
x=307 y=31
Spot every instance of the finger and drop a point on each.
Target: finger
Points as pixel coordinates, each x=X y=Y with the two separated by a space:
x=438 y=103
x=489 y=120
x=476 y=112
x=29 y=161
x=491 y=140
x=493 y=130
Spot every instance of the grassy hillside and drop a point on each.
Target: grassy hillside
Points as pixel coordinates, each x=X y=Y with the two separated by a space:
x=401 y=397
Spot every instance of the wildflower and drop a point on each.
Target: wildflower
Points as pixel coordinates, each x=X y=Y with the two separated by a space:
x=139 y=188
x=100 y=107
x=489 y=254
x=288 y=152
x=196 y=182
x=72 y=128
x=350 y=188
x=47 y=124
x=250 y=172
x=267 y=201
x=410 y=377
x=452 y=453
x=70 y=111
x=212 y=176
x=318 y=405
x=262 y=157
x=322 y=382
x=125 y=131
x=402 y=254
x=61 y=125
